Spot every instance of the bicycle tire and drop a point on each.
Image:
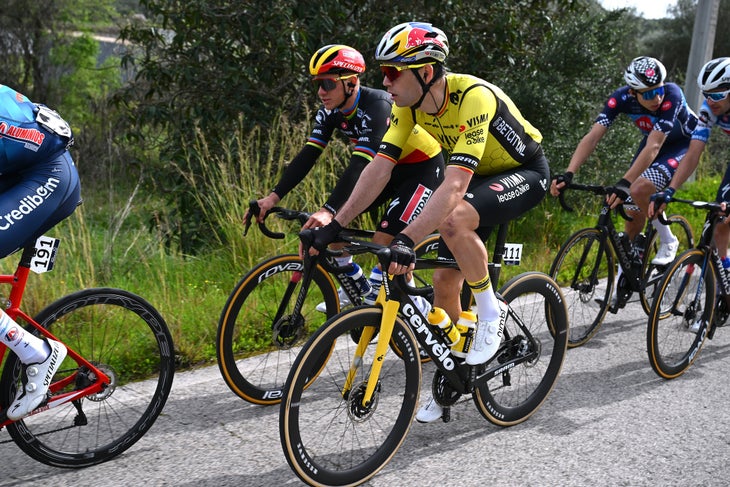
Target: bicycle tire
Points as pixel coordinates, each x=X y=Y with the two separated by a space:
x=684 y=295
x=587 y=299
x=331 y=440
x=651 y=273
x=248 y=319
x=126 y=337
x=516 y=394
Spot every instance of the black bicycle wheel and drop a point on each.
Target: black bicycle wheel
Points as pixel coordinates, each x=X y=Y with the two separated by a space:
x=328 y=436
x=537 y=326
x=257 y=323
x=652 y=273
x=128 y=340
x=584 y=270
x=681 y=313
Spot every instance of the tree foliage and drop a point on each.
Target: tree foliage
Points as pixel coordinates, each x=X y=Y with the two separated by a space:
x=200 y=65
x=205 y=68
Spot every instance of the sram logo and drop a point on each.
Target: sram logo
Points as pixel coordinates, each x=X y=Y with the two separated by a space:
x=437 y=349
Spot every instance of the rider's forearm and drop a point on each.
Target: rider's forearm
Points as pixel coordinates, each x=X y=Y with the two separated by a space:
x=346 y=183
x=297 y=170
x=648 y=154
x=585 y=148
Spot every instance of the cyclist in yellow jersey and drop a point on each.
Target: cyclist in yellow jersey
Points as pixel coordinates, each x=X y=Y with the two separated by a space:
x=495 y=172
x=361 y=114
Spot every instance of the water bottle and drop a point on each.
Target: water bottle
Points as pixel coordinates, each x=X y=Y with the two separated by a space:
x=438 y=317
x=466 y=325
x=375 y=280
x=361 y=282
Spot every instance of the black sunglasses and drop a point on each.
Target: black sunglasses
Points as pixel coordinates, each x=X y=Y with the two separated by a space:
x=329 y=84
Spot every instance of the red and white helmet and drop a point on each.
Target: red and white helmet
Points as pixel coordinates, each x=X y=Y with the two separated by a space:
x=336 y=59
x=413 y=43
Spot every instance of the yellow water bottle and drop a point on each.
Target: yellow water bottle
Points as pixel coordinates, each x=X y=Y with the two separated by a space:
x=466 y=325
x=438 y=317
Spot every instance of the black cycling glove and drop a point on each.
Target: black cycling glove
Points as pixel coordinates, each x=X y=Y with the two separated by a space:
x=621 y=189
x=566 y=178
x=401 y=250
x=662 y=197
x=323 y=236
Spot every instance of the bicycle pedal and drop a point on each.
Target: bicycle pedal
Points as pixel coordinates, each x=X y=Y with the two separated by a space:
x=446 y=415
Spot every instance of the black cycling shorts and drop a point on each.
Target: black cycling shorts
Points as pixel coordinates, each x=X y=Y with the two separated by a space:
x=503 y=197
x=409 y=188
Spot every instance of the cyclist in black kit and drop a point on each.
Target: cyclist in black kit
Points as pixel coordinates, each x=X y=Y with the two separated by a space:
x=363 y=115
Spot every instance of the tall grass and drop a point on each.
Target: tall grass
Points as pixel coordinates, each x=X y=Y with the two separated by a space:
x=108 y=240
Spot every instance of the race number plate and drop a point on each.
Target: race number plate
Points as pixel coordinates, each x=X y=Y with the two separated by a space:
x=45 y=254
x=512 y=254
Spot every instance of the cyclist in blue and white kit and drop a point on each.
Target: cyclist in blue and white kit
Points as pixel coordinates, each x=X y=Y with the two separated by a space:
x=714 y=81
x=39 y=187
x=660 y=112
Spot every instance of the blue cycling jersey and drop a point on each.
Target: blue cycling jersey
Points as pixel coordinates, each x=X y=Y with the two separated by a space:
x=23 y=142
x=39 y=183
x=674 y=117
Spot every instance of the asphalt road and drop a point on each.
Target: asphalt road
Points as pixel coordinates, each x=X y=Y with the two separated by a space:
x=610 y=421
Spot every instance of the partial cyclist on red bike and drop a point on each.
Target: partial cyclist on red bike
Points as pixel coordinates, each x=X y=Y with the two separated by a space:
x=39 y=187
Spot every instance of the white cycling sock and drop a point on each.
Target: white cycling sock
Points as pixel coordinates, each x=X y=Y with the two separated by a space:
x=486 y=300
x=29 y=348
x=664 y=232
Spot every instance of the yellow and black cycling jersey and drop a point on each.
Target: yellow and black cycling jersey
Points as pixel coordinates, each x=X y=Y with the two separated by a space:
x=479 y=126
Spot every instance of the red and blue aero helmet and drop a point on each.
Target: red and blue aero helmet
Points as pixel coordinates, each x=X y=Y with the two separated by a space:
x=413 y=43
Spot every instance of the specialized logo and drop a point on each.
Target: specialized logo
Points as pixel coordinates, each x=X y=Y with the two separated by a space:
x=51 y=370
x=32 y=138
x=416 y=204
x=29 y=203
x=347 y=66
